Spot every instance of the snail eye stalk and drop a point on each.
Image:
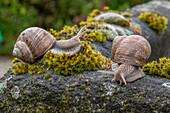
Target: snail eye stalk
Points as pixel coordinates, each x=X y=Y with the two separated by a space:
x=122 y=76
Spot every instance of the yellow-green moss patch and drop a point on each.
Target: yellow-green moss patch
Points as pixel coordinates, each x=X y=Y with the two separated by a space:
x=87 y=60
x=47 y=76
x=22 y=68
x=160 y=69
x=155 y=21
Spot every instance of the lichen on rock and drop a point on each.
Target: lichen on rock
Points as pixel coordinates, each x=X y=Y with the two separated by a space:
x=15 y=92
x=4 y=84
x=111 y=18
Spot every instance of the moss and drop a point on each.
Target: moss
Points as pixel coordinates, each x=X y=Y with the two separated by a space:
x=160 y=69
x=21 y=89
x=88 y=60
x=32 y=81
x=127 y=14
x=22 y=68
x=155 y=21
x=91 y=36
x=123 y=22
x=66 y=33
x=106 y=9
x=47 y=76
x=16 y=60
x=83 y=85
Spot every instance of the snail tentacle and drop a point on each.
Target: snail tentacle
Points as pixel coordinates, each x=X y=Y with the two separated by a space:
x=122 y=76
x=70 y=43
x=83 y=30
x=80 y=33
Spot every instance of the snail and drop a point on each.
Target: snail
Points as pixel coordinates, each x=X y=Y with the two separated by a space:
x=34 y=42
x=130 y=54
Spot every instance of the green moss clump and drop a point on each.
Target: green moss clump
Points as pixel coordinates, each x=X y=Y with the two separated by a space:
x=47 y=76
x=22 y=68
x=66 y=33
x=123 y=22
x=91 y=36
x=87 y=60
x=155 y=21
x=106 y=9
x=16 y=60
x=127 y=14
x=95 y=12
x=161 y=69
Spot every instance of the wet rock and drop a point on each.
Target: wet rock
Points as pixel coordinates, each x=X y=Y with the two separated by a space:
x=84 y=92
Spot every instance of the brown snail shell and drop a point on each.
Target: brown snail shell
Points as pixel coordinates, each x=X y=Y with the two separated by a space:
x=35 y=42
x=133 y=49
x=130 y=53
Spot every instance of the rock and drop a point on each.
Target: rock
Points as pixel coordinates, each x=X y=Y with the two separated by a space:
x=89 y=91
x=85 y=92
x=159 y=43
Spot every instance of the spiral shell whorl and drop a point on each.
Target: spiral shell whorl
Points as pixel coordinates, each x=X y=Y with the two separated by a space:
x=134 y=50
x=33 y=43
x=22 y=51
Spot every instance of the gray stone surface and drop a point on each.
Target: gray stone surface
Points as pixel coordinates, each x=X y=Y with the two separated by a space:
x=84 y=92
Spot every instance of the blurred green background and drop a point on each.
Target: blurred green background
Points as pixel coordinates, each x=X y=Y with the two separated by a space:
x=17 y=15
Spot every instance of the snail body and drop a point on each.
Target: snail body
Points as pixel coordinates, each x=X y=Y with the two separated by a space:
x=128 y=73
x=130 y=53
x=35 y=42
x=70 y=46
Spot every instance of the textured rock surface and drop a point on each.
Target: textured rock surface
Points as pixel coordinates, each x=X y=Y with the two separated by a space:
x=91 y=91
x=85 y=92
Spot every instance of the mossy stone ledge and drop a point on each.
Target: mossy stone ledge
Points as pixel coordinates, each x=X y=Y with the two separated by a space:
x=84 y=92
x=90 y=91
